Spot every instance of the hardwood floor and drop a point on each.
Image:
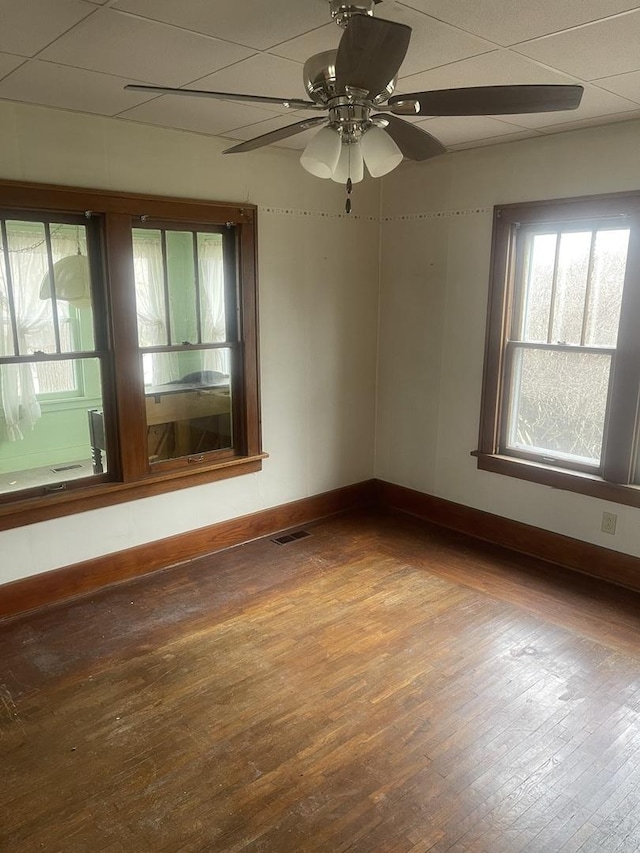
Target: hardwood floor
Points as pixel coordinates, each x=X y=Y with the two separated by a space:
x=381 y=685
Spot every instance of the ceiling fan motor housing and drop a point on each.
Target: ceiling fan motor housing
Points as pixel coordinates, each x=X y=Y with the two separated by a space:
x=341 y=11
x=319 y=77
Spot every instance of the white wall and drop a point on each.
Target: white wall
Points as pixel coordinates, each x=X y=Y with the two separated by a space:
x=436 y=241
x=318 y=313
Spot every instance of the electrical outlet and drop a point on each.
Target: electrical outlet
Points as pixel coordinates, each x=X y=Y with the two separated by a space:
x=609 y=522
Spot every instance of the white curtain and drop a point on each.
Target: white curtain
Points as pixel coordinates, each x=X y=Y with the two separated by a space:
x=34 y=322
x=150 y=304
x=212 y=301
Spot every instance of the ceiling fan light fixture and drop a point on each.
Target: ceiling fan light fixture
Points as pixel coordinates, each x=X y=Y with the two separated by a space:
x=321 y=156
x=380 y=152
x=350 y=164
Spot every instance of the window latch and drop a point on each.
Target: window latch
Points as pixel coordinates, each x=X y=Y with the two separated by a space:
x=199 y=457
x=56 y=487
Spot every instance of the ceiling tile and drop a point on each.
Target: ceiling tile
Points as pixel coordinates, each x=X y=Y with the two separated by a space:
x=261 y=74
x=432 y=42
x=316 y=41
x=595 y=50
x=591 y=122
x=143 y=50
x=595 y=102
x=253 y=23
x=197 y=114
x=8 y=63
x=519 y=20
x=26 y=26
x=496 y=140
x=500 y=67
x=458 y=129
x=39 y=82
x=626 y=85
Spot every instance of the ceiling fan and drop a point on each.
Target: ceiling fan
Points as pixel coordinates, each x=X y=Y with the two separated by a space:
x=353 y=88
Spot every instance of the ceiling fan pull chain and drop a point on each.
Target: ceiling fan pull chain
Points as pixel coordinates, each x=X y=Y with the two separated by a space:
x=347 y=206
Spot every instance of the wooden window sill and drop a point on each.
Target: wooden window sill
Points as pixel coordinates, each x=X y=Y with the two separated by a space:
x=102 y=494
x=558 y=478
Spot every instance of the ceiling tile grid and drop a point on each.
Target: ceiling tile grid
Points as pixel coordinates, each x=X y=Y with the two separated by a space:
x=79 y=54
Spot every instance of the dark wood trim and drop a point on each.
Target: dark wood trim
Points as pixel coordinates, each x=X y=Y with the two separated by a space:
x=34 y=509
x=82 y=578
x=130 y=414
x=613 y=566
x=52 y=197
x=130 y=475
x=581 y=482
x=250 y=338
x=624 y=385
x=603 y=207
x=498 y=319
x=620 y=428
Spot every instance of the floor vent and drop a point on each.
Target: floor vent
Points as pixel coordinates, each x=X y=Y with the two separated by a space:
x=64 y=468
x=290 y=537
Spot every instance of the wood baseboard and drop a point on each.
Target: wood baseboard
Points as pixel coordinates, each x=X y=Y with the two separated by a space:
x=613 y=566
x=81 y=578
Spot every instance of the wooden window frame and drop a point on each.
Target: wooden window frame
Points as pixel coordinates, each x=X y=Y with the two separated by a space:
x=130 y=476
x=622 y=423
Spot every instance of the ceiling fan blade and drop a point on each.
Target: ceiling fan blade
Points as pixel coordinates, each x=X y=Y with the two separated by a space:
x=293 y=103
x=414 y=142
x=370 y=53
x=276 y=135
x=488 y=100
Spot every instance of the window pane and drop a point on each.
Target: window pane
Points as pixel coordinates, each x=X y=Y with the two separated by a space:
x=193 y=414
x=56 y=378
x=149 y=282
x=212 y=296
x=32 y=291
x=182 y=287
x=72 y=286
x=558 y=402
x=46 y=443
x=571 y=287
x=605 y=294
x=539 y=284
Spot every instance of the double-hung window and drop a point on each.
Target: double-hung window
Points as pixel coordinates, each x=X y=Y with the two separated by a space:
x=562 y=367
x=128 y=347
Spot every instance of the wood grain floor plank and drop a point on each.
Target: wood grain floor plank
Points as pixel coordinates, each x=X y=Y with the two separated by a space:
x=381 y=685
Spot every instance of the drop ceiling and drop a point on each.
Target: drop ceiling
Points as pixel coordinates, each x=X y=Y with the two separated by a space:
x=79 y=54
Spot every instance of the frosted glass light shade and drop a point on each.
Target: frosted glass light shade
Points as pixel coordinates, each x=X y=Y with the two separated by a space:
x=380 y=152
x=72 y=280
x=350 y=165
x=321 y=155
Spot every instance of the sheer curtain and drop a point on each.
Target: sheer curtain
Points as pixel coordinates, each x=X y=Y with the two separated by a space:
x=150 y=305
x=214 y=326
x=34 y=323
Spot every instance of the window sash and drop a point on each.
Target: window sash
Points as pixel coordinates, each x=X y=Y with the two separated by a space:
x=511 y=410
x=512 y=224
x=116 y=344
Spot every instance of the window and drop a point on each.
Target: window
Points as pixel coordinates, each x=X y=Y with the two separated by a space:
x=128 y=348
x=562 y=368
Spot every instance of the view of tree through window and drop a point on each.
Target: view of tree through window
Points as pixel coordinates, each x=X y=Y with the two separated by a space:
x=561 y=385
x=563 y=338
